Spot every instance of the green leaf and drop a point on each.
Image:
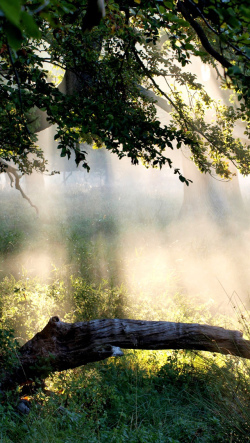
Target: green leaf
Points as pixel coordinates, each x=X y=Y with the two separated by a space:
x=188 y=46
x=14 y=36
x=30 y=25
x=168 y=4
x=12 y=10
x=162 y=10
x=181 y=178
x=245 y=12
x=234 y=70
x=233 y=22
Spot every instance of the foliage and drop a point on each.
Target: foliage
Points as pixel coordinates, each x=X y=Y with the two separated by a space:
x=111 y=69
x=8 y=347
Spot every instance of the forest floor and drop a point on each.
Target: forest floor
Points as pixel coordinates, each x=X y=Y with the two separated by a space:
x=101 y=253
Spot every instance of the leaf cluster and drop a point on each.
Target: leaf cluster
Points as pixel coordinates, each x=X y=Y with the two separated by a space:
x=105 y=68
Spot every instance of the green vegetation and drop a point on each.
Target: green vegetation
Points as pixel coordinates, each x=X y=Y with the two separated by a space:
x=144 y=396
x=115 y=72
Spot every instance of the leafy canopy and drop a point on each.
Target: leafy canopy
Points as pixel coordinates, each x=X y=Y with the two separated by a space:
x=112 y=79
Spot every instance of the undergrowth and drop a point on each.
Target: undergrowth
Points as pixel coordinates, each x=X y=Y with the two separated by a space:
x=144 y=396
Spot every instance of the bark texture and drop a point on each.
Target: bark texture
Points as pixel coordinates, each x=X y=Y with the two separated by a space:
x=60 y=346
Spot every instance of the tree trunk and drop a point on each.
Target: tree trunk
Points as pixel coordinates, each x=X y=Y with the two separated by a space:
x=60 y=346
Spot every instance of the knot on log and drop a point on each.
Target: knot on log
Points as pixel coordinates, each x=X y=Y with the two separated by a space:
x=54 y=319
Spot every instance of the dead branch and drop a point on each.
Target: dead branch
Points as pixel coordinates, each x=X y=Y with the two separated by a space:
x=60 y=346
x=15 y=178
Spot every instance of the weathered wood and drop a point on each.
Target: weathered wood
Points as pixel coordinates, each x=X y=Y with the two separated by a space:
x=60 y=346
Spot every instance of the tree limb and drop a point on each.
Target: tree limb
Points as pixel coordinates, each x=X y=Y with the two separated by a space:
x=161 y=102
x=60 y=346
x=15 y=178
x=202 y=36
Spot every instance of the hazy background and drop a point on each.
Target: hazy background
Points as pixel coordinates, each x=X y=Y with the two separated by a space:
x=138 y=227
x=138 y=233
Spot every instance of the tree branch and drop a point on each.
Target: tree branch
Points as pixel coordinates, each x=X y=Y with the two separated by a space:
x=161 y=102
x=15 y=177
x=202 y=36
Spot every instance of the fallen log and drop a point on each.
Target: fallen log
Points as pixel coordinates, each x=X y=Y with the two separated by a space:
x=60 y=346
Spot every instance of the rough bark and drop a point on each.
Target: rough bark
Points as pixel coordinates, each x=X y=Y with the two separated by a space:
x=60 y=346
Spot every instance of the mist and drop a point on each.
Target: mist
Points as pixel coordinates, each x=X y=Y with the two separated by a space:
x=142 y=233
x=132 y=226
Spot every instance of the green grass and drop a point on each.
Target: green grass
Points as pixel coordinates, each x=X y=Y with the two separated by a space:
x=142 y=397
x=87 y=257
